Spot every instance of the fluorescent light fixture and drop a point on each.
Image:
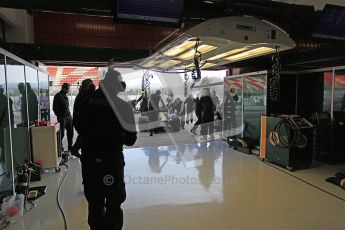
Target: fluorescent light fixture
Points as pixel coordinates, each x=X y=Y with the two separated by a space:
x=250 y=53
x=169 y=63
x=189 y=66
x=151 y=63
x=202 y=49
x=208 y=65
x=235 y=51
x=179 y=49
x=208 y=2
x=203 y=66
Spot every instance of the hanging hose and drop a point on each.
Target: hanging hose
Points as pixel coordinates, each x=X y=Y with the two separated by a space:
x=147 y=81
x=274 y=80
x=186 y=78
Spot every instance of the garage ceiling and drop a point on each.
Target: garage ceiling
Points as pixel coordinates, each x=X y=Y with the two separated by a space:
x=288 y=16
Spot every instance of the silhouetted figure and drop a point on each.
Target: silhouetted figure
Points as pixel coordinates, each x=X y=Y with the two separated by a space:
x=189 y=103
x=5 y=103
x=153 y=113
x=198 y=113
x=61 y=110
x=106 y=123
x=29 y=103
x=229 y=110
x=177 y=107
x=207 y=118
x=144 y=105
x=87 y=88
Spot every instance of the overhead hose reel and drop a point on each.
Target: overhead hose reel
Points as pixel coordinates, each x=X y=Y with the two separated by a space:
x=186 y=78
x=274 y=80
x=147 y=81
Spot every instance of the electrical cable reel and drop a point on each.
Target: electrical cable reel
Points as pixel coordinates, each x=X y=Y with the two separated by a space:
x=276 y=138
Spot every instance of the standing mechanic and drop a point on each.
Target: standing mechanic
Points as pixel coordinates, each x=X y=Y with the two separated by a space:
x=61 y=110
x=189 y=103
x=207 y=118
x=198 y=113
x=153 y=113
x=106 y=123
x=87 y=88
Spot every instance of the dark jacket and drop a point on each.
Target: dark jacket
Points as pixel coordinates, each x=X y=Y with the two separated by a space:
x=189 y=102
x=77 y=102
x=208 y=108
x=61 y=105
x=198 y=107
x=4 y=112
x=32 y=106
x=100 y=128
x=144 y=104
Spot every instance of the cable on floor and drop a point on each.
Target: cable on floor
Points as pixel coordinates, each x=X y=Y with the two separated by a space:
x=306 y=182
x=58 y=199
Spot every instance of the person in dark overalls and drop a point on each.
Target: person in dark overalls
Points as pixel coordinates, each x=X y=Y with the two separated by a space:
x=207 y=118
x=198 y=113
x=189 y=103
x=144 y=105
x=87 y=88
x=153 y=114
x=106 y=123
x=61 y=110
x=229 y=106
x=178 y=109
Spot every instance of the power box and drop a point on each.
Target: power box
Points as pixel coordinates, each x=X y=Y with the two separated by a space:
x=287 y=141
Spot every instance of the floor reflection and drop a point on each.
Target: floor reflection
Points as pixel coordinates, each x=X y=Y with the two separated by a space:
x=199 y=186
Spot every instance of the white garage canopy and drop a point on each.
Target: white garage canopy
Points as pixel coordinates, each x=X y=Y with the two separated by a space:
x=220 y=41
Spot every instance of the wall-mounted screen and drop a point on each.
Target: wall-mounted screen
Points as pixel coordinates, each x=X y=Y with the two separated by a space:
x=150 y=10
x=332 y=23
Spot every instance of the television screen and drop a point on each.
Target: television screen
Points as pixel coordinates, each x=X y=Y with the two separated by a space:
x=332 y=23
x=150 y=10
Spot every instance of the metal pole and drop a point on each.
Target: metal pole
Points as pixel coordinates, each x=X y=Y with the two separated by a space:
x=296 y=101
x=242 y=106
x=332 y=95
x=9 y=125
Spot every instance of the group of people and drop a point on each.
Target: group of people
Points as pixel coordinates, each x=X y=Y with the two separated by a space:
x=205 y=106
x=104 y=123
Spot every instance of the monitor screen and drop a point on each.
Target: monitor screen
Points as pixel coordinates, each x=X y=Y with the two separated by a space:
x=332 y=23
x=150 y=10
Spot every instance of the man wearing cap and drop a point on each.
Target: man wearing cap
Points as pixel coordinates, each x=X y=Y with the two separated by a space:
x=105 y=123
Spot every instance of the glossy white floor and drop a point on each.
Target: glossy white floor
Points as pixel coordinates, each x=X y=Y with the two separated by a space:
x=204 y=186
